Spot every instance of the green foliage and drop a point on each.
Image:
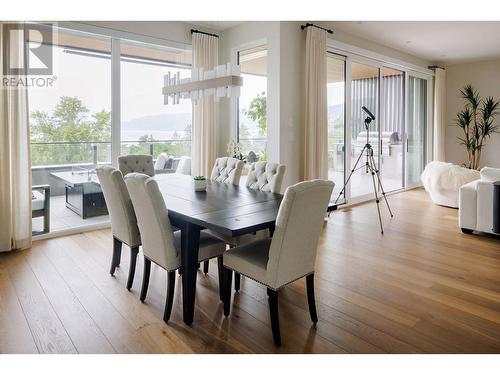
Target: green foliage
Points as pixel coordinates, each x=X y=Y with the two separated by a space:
x=199 y=178
x=476 y=122
x=69 y=122
x=257 y=112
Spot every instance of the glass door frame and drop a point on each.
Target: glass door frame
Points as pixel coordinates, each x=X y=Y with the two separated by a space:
x=429 y=123
x=354 y=54
x=377 y=65
x=347 y=117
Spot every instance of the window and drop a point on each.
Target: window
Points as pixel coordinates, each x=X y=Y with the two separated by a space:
x=148 y=126
x=70 y=124
x=71 y=128
x=336 y=121
x=252 y=103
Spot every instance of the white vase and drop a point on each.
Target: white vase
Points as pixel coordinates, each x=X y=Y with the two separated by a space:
x=200 y=185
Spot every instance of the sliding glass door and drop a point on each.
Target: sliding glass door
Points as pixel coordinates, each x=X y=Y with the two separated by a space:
x=364 y=93
x=392 y=103
x=416 y=129
x=399 y=100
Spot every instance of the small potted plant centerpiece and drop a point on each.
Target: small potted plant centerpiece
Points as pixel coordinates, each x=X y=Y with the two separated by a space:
x=200 y=183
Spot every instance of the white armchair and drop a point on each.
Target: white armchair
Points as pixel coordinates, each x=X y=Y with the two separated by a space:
x=476 y=202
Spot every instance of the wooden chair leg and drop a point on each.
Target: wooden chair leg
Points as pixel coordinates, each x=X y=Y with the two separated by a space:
x=310 y=297
x=170 y=295
x=237 y=279
x=273 y=309
x=117 y=254
x=145 y=279
x=220 y=272
x=205 y=266
x=133 y=261
x=227 y=281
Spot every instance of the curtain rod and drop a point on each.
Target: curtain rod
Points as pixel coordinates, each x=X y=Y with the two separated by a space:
x=435 y=66
x=319 y=27
x=202 y=32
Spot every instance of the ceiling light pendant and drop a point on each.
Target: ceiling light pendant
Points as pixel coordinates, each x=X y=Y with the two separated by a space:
x=224 y=81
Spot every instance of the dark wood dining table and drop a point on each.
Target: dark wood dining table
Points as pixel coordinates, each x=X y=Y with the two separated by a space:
x=223 y=208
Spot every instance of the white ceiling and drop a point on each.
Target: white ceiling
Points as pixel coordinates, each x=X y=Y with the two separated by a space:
x=445 y=43
x=217 y=25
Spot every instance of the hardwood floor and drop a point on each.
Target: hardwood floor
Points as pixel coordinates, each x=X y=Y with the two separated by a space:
x=422 y=287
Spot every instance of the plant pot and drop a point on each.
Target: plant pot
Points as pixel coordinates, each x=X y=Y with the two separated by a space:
x=200 y=185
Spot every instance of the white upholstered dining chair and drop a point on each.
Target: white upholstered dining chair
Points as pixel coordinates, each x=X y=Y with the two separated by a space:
x=227 y=170
x=290 y=254
x=266 y=176
x=136 y=164
x=159 y=243
x=122 y=215
x=263 y=176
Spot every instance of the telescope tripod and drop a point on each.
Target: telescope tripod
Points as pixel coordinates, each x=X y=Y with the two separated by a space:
x=372 y=169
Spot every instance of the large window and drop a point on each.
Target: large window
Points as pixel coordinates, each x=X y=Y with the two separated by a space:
x=71 y=124
x=252 y=103
x=148 y=126
x=336 y=121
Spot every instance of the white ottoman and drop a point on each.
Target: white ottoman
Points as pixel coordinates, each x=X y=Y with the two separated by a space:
x=443 y=181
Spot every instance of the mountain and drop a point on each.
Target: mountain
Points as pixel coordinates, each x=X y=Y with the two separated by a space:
x=178 y=121
x=163 y=122
x=335 y=111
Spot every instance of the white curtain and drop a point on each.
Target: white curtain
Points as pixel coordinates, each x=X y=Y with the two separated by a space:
x=204 y=147
x=316 y=127
x=439 y=114
x=15 y=163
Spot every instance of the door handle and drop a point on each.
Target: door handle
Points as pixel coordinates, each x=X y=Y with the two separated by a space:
x=407 y=147
x=380 y=146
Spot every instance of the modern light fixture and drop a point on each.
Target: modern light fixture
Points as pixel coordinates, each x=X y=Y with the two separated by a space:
x=222 y=82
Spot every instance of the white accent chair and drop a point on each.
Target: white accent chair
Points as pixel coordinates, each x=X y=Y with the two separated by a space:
x=227 y=170
x=122 y=215
x=443 y=181
x=160 y=244
x=290 y=254
x=184 y=166
x=476 y=202
x=136 y=164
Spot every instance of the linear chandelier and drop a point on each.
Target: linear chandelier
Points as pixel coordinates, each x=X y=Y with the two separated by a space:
x=224 y=81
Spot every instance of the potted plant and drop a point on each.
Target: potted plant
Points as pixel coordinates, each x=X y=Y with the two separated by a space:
x=200 y=183
x=477 y=123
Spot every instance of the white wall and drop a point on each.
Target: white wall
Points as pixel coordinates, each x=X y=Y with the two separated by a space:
x=485 y=77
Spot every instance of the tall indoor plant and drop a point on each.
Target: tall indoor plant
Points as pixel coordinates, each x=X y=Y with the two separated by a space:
x=476 y=121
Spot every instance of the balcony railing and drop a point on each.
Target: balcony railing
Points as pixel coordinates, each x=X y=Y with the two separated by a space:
x=44 y=154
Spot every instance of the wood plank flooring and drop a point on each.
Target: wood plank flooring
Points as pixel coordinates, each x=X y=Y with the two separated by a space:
x=422 y=287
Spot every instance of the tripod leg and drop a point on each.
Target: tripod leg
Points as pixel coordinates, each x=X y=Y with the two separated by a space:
x=372 y=170
x=383 y=192
x=350 y=174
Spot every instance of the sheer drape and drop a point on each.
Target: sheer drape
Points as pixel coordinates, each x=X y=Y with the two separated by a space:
x=316 y=127
x=205 y=55
x=439 y=114
x=15 y=163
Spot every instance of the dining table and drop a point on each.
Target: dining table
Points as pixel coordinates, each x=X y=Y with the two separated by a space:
x=231 y=210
